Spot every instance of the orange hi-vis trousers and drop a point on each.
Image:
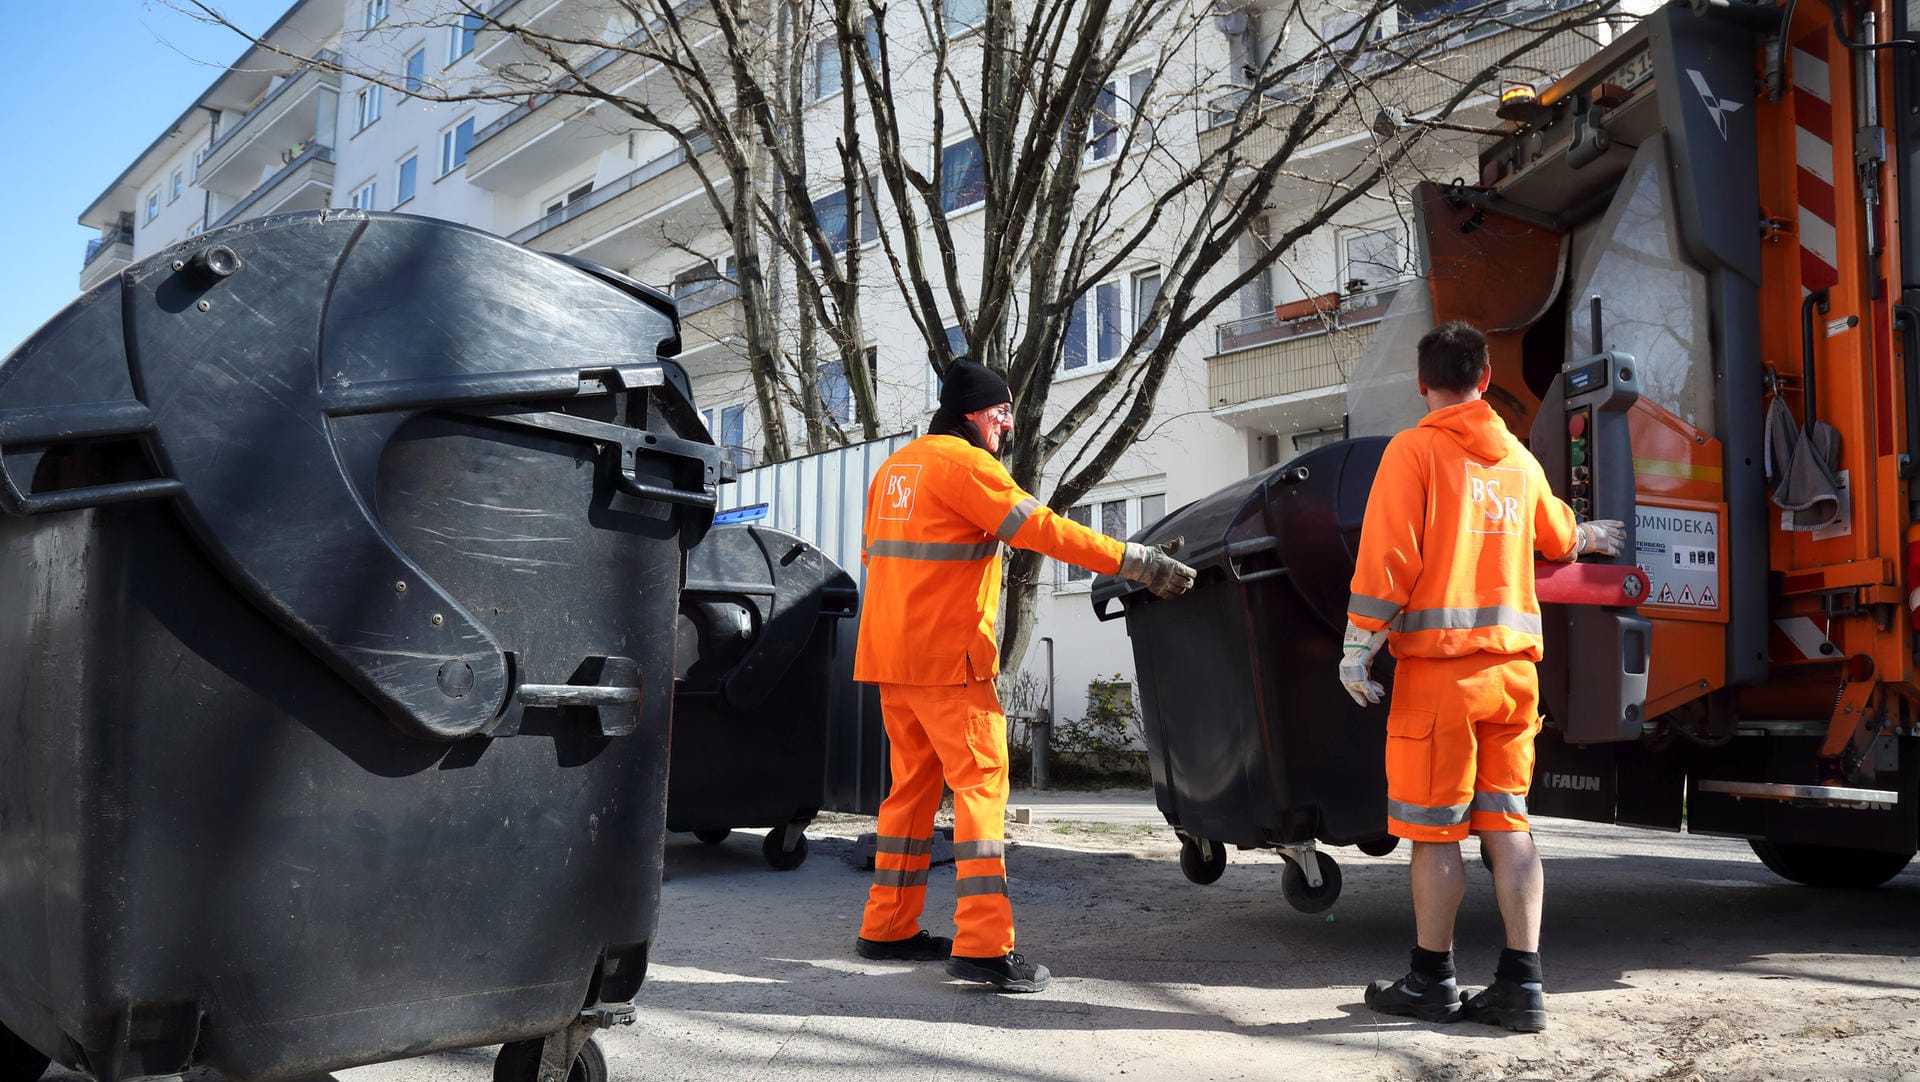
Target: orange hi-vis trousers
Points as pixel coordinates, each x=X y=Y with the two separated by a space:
x=1460 y=745
x=957 y=734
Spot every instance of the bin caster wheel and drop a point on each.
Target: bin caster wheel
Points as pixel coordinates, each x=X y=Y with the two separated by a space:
x=520 y=1062
x=1202 y=862
x=1380 y=847
x=713 y=837
x=20 y=1061
x=1307 y=899
x=780 y=858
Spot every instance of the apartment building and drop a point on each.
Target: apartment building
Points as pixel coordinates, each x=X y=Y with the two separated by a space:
x=283 y=130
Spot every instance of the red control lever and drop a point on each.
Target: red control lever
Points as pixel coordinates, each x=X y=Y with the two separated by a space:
x=1615 y=585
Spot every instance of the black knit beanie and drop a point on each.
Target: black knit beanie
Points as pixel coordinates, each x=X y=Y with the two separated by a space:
x=970 y=386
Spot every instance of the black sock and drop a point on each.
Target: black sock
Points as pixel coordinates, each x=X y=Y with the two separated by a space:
x=1520 y=966
x=1436 y=966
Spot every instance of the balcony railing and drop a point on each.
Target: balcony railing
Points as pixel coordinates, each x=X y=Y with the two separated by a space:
x=313 y=153
x=324 y=56
x=601 y=195
x=700 y=296
x=1306 y=365
x=1350 y=310
x=587 y=71
x=97 y=244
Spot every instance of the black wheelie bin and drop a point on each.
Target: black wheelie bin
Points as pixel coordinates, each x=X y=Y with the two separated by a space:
x=757 y=688
x=340 y=556
x=1251 y=739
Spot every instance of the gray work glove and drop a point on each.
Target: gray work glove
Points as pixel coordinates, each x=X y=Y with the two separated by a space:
x=1155 y=566
x=1357 y=650
x=1604 y=536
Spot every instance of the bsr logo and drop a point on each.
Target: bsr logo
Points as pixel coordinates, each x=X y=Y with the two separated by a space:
x=1579 y=783
x=1498 y=495
x=896 y=492
x=1497 y=508
x=899 y=493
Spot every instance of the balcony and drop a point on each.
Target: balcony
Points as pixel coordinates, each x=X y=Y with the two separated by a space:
x=551 y=119
x=1433 y=61
x=105 y=256
x=498 y=48
x=619 y=223
x=305 y=182
x=1262 y=366
x=297 y=111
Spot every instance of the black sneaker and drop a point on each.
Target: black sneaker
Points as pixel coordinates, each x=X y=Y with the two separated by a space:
x=918 y=947
x=1520 y=1007
x=1415 y=996
x=1010 y=973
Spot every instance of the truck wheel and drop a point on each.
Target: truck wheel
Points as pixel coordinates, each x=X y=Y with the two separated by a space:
x=1829 y=865
x=520 y=1062
x=1380 y=847
x=712 y=837
x=20 y=1061
x=1198 y=868
x=1293 y=885
x=783 y=860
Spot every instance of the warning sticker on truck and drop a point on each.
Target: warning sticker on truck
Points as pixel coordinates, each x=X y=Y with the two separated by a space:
x=1680 y=553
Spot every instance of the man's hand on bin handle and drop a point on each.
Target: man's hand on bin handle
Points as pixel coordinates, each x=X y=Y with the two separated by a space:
x=1604 y=536
x=1357 y=650
x=1155 y=567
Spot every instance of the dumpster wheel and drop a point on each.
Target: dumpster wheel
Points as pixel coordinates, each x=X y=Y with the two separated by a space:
x=1380 y=847
x=1301 y=894
x=714 y=836
x=1202 y=861
x=20 y=1061
x=1829 y=865
x=785 y=847
x=520 y=1062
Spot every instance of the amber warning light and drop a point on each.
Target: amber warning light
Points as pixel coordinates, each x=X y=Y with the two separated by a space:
x=1517 y=101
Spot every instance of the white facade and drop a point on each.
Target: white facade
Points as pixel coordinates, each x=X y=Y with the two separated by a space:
x=273 y=135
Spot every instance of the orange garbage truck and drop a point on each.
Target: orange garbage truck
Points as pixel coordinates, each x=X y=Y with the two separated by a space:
x=1698 y=260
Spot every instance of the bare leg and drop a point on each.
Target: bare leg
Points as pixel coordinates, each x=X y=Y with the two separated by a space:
x=1517 y=881
x=1439 y=882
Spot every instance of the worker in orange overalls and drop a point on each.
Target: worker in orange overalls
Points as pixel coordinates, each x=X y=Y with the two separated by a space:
x=1445 y=577
x=937 y=514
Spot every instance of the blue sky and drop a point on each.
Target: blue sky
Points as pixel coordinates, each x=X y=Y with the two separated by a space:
x=102 y=77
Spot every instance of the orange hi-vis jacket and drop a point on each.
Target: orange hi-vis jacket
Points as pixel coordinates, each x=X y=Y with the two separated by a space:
x=1446 y=551
x=937 y=513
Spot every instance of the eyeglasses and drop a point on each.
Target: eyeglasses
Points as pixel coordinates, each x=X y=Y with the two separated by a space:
x=1003 y=414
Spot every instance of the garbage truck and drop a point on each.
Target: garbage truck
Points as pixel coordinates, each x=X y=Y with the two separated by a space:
x=1697 y=260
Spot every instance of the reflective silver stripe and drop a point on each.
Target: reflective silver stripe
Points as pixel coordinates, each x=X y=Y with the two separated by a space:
x=969 y=885
x=1016 y=518
x=1374 y=608
x=1418 y=815
x=906 y=847
x=979 y=850
x=895 y=877
x=1504 y=803
x=1467 y=619
x=933 y=550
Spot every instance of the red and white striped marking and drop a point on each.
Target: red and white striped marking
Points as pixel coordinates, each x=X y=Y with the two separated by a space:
x=1798 y=638
x=1813 y=154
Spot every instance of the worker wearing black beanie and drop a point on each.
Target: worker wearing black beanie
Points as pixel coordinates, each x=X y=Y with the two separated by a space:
x=970 y=387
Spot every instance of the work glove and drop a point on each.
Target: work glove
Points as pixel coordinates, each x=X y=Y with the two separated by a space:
x=1155 y=566
x=1356 y=657
x=1603 y=535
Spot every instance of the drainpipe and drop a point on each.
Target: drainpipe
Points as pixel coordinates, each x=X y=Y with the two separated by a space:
x=1042 y=730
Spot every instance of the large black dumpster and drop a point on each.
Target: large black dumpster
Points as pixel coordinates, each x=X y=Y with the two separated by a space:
x=1251 y=739
x=339 y=565
x=757 y=688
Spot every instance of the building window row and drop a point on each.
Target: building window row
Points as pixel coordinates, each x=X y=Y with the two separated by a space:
x=1120 y=516
x=1102 y=320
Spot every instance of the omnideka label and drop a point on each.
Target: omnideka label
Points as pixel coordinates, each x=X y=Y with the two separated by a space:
x=1680 y=552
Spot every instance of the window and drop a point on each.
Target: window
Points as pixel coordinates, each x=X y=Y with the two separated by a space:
x=363 y=196
x=963 y=176
x=828 y=79
x=1104 y=319
x=454 y=144
x=561 y=202
x=416 y=70
x=409 y=174
x=836 y=394
x=367 y=107
x=1115 y=107
x=1119 y=517
x=153 y=206
x=964 y=15
x=1372 y=258
x=174 y=186
x=460 y=37
x=832 y=213
x=733 y=435
x=376 y=12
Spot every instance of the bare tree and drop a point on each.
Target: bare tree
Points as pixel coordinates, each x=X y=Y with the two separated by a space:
x=1083 y=116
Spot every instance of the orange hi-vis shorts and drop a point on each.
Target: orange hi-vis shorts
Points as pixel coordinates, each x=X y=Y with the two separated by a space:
x=1460 y=745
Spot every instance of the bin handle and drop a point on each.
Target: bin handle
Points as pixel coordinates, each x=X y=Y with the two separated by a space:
x=43 y=426
x=614 y=696
x=1236 y=550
